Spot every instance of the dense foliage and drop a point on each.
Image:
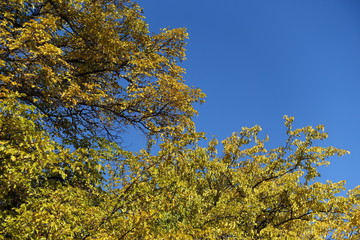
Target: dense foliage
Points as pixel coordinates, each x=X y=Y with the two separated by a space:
x=74 y=74
x=92 y=67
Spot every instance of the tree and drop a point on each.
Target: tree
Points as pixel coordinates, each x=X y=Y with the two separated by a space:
x=41 y=180
x=73 y=75
x=91 y=67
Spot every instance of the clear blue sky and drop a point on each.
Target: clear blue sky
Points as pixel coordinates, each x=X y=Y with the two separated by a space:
x=258 y=60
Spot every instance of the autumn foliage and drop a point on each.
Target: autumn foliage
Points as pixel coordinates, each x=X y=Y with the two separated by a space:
x=76 y=74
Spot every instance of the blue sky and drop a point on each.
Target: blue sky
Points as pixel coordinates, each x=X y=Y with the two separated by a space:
x=258 y=60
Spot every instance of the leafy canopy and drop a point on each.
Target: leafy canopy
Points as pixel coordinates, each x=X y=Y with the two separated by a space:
x=74 y=74
x=93 y=68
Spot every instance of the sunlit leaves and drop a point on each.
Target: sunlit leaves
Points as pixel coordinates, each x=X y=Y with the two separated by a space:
x=93 y=67
x=42 y=181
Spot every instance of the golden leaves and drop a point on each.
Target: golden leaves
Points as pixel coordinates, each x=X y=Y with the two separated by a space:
x=184 y=191
x=98 y=57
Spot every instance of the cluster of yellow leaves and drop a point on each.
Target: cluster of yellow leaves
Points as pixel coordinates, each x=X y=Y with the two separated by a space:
x=253 y=193
x=247 y=192
x=46 y=189
x=94 y=65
